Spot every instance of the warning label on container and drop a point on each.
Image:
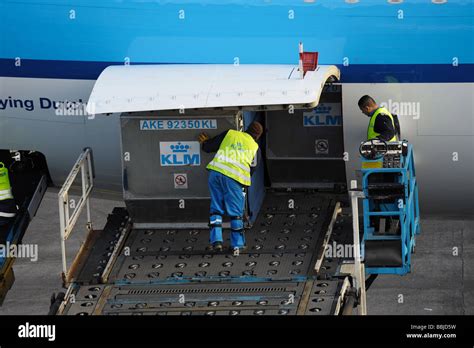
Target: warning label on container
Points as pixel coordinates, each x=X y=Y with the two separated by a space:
x=322 y=146
x=180 y=181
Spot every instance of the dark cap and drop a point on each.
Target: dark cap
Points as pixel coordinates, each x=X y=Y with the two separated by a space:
x=255 y=130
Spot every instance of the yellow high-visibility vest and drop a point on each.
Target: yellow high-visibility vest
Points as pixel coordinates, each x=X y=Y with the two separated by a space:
x=371 y=133
x=5 y=188
x=235 y=156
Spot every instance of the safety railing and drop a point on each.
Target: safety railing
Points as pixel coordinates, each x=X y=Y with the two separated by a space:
x=359 y=269
x=69 y=213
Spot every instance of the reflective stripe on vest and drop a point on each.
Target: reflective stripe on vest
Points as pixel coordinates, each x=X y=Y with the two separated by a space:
x=5 y=188
x=5 y=194
x=7 y=215
x=234 y=157
x=226 y=159
x=371 y=133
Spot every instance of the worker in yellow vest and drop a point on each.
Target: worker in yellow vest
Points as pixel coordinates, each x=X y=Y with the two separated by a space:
x=7 y=203
x=382 y=124
x=229 y=173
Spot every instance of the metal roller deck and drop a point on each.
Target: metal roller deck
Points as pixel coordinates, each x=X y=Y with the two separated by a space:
x=170 y=272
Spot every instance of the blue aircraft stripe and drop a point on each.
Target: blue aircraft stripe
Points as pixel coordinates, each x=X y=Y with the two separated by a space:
x=354 y=73
x=406 y=73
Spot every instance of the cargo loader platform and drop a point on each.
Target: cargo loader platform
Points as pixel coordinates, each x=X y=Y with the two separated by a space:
x=169 y=271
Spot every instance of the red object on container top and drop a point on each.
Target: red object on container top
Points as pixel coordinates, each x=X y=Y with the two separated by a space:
x=310 y=61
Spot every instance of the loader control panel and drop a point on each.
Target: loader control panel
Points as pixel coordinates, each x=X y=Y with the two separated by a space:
x=389 y=153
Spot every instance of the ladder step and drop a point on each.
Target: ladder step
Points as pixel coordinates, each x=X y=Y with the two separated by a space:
x=382 y=237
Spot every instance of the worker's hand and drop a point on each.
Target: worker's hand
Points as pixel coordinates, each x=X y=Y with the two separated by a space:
x=203 y=137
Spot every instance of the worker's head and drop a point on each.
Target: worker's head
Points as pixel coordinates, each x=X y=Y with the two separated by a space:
x=255 y=130
x=367 y=105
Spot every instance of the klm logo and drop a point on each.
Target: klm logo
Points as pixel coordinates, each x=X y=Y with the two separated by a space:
x=185 y=153
x=313 y=120
x=237 y=147
x=323 y=109
x=328 y=114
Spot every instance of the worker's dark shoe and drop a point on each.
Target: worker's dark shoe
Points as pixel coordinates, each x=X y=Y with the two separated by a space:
x=217 y=246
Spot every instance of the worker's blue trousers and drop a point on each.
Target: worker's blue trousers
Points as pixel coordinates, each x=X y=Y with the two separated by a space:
x=227 y=197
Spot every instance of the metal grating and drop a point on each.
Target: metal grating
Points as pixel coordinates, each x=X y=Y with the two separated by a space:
x=273 y=231
x=275 y=266
x=202 y=299
x=323 y=296
x=199 y=290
